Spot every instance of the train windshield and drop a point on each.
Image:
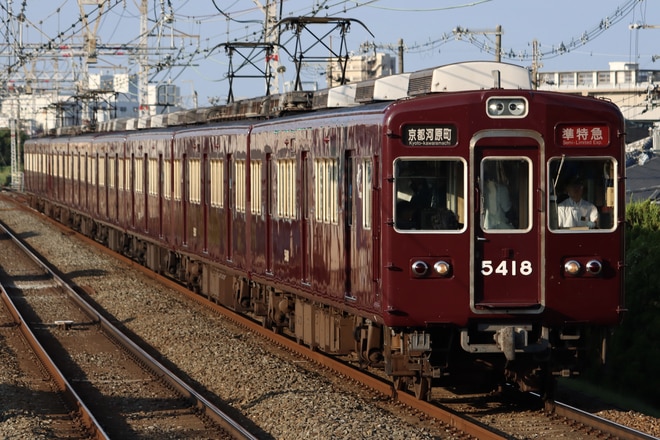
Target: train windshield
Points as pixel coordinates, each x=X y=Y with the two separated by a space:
x=582 y=194
x=429 y=194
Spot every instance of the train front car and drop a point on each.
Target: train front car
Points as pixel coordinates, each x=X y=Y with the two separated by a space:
x=491 y=261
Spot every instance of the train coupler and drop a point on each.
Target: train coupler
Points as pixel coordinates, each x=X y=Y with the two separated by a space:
x=506 y=339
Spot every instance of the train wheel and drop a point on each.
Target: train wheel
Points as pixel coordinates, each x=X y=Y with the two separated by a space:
x=422 y=387
x=548 y=385
x=400 y=383
x=271 y=324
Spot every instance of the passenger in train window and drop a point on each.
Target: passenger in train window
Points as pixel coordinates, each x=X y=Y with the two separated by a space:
x=444 y=219
x=405 y=216
x=498 y=205
x=576 y=212
x=497 y=200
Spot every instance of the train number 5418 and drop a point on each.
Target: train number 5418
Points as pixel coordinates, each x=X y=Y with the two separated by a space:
x=506 y=267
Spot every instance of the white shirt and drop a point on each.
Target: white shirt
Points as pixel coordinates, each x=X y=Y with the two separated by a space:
x=498 y=204
x=577 y=214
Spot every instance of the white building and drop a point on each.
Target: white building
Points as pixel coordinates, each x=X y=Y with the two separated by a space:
x=105 y=97
x=635 y=91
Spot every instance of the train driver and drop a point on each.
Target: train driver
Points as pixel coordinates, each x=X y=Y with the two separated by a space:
x=576 y=212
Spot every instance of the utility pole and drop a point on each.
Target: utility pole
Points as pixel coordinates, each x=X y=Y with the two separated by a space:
x=143 y=62
x=652 y=92
x=272 y=14
x=535 y=64
x=459 y=32
x=14 y=121
x=14 y=126
x=635 y=26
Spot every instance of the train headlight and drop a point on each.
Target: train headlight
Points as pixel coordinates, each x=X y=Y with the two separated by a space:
x=503 y=107
x=517 y=107
x=572 y=267
x=594 y=267
x=419 y=268
x=495 y=108
x=442 y=268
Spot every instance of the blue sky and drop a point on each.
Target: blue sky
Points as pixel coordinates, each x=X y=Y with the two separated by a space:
x=592 y=32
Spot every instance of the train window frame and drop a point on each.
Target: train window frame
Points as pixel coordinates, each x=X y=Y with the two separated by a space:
x=501 y=180
x=450 y=219
x=102 y=170
x=601 y=190
x=60 y=165
x=112 y=163
x=365 y=173
x=217 y=182
x=138 y=174
x=67 y=166
x=91 y=166
x=326 y=190
x=167 y=179
x=255 y=187
x=153 y=177
x=76 y=166
x=177 y=169
x=240 y=190
x=285 y=183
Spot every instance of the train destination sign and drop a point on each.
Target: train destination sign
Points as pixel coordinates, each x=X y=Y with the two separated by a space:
x=583 y=135
x=429 y=135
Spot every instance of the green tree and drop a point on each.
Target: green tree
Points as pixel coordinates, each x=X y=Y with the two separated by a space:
x=634 y=351
x=5 y=145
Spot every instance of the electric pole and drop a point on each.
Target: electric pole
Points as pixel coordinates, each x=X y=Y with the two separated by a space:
x=143 y=62
x=14 y=119
x=459 y=32
x=272 y=15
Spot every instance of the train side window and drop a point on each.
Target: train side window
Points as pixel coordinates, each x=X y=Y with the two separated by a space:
x=286 y=188
x=429 y=194
x=326 y=190
x=365 y=184
x=505 y=194
x=582 y=194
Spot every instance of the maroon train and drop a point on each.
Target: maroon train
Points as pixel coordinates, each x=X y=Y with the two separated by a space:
x=419 y=221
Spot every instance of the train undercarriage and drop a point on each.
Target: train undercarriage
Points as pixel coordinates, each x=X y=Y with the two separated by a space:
x=415 y=359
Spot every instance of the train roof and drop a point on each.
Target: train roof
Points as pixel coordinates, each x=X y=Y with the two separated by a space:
x=473 y=75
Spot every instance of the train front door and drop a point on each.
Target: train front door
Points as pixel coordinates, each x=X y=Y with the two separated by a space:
x=507 y=225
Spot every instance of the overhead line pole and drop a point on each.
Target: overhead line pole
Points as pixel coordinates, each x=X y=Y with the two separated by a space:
x=143 y=57
x=14 y=121
x=459 y=32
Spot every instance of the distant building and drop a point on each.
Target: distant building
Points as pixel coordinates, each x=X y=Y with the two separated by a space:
x=636 y=91
x=106 y=97
x=369 y=66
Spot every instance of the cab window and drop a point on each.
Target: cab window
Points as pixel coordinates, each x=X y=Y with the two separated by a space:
x=582 y=194
x=429 y=194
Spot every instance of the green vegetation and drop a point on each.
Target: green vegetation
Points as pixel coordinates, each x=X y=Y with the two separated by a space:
x=634 y=351
x=5 y=155
x=5 y=176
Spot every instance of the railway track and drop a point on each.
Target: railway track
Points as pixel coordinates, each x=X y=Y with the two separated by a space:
x=117 y=389
x=457 y=418
x=50 y=396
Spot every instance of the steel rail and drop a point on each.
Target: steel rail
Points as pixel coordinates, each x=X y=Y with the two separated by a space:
x=208 y=409
x=606 y=426
x=68 y=392
x=448 y=416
